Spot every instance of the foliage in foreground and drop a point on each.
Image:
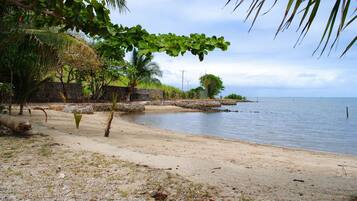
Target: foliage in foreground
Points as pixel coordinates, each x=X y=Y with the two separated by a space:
x=342 y=16
x=92 y=17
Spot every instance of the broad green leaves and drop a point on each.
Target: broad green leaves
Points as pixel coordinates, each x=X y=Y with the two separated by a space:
x=126 y=39
x=92 y=17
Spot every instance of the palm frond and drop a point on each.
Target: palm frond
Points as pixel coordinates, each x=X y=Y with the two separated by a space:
x=307 y=12
x=141 y=69
x=120 y=4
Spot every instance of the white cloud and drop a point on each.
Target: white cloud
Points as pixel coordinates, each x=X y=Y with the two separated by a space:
x=254 y=59
x=249 y=74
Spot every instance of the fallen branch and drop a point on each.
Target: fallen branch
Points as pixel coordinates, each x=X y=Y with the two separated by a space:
x=43 y=110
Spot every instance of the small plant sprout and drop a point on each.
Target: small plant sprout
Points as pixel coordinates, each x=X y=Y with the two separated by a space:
x=77 y=119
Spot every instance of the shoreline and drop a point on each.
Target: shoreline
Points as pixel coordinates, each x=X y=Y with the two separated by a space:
x=175 y=109
x=262 y=172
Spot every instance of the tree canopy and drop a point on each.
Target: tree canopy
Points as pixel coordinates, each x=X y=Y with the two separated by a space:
x=92 y=17
x=212 y=84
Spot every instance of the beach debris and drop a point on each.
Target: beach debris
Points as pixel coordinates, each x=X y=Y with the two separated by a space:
x=299 y=180
x=58 y=169
x=217 y=168
x=159 y=196
x=17 y=125
x=61 y=176
x=55 y=144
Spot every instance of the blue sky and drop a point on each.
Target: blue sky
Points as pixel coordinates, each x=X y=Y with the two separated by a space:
x=255 y=64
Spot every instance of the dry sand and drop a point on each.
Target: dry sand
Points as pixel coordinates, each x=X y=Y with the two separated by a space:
x=236 y=168
x=36 y=168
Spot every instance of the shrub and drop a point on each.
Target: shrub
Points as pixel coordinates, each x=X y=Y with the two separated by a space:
x=235 y=97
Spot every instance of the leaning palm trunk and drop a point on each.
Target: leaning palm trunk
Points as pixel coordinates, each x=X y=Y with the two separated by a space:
x=111 y=115
x=110 y=119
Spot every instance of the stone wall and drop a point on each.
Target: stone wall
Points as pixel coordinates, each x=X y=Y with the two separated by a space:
x=50 y=92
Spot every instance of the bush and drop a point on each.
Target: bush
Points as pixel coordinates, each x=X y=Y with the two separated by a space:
x=235 y=97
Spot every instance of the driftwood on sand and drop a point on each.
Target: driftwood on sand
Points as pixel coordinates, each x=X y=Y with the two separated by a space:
x=15 y=124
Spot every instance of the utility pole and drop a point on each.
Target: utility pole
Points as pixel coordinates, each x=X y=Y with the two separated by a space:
x=183 y=76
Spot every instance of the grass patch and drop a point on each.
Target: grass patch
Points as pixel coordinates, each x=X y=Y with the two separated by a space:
x=12 y=172
x=123 y=193
x=7 y=154
x=244 y=198
x=45 y=150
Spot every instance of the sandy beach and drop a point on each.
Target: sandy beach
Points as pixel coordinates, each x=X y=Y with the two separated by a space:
x=236 y=168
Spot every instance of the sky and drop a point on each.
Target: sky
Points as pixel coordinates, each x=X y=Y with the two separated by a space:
x=256 y=64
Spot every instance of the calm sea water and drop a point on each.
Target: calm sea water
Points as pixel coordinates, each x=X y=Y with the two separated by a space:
x=309 y=123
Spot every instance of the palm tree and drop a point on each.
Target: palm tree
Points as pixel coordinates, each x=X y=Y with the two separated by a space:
x=140 y=69
x=120 y=4
x=25 y=63
x=31 y=54
x=342 y=15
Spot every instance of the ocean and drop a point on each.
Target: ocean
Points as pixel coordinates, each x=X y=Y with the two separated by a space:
x=317 y=124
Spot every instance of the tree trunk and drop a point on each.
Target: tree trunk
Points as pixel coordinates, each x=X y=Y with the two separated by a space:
x=64 y=91
x=10 y=101
x=15 y=124
x=21 y=109
x=109 y=123
x=130 y=91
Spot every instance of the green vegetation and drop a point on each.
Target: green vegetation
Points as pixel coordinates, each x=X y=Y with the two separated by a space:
x=77 y=119
x=6 y=94
x=140 y=69
x=169 y=92
x=235 y=97
x=25 y=63
x=343 y=14
x=212 y=84
x=37 y=46
x=196 y=93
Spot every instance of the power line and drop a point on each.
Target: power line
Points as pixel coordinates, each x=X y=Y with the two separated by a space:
x=183 y=76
